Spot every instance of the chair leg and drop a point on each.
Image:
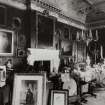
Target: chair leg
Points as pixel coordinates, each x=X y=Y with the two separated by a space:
x=91 y=91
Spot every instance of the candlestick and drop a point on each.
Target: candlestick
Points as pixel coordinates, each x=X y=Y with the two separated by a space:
x=96 y=35
x=90 y=34
x=77 y=36
x=101 y=52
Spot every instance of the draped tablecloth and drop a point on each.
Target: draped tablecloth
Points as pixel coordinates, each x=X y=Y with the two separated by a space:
x=92 y=73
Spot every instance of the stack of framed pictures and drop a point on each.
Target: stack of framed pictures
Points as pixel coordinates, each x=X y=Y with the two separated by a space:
x=30 y=89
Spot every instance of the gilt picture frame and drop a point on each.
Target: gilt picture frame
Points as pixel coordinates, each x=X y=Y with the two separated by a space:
x=29 y=89
x=6 y=42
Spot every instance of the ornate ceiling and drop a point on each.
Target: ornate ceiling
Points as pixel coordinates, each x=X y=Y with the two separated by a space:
x=95 y=1
x=98 y=4
x=97 y=12
x=84 y=11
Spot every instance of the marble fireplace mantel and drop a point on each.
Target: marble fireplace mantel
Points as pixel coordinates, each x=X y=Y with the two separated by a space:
x=44 y=55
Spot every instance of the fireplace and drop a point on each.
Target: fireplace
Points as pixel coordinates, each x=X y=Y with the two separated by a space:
x=42 y=65
x=45 y=59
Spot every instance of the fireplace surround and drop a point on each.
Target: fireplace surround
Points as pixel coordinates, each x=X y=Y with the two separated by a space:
x=44 y=55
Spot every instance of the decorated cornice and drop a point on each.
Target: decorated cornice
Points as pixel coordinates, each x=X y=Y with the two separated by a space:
x=21 y=1
x=95 y=25
x=59 y=14
x=41 y=5
x=47 y=5
x=14 y=3
x=62 y=15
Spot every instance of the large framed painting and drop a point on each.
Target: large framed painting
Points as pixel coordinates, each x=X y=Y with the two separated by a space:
x=45 y=31
x=59 y=97
x=6 y=42
x=29 y=89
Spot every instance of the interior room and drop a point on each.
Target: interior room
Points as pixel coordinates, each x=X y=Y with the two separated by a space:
x=52 y=52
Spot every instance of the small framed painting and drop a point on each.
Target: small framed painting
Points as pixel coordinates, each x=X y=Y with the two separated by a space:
x=59 y=97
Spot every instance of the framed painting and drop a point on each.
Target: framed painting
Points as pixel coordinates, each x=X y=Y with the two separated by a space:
x=45 y=31
x=29 y=89
x=6 y=42
x=21 y=53
x=66 y=33
x=59 y=97
x=66 y=48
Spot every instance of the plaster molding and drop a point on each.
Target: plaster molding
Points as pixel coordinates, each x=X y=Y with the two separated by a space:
x=60 y=17
x=14 y=3
x=46 y=5
x=96 y=27
x=96 y=24
x=99 y=3
x=39 y=5
x=71 y=20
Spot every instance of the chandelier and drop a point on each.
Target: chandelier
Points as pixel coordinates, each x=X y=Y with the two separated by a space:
x=83 y=36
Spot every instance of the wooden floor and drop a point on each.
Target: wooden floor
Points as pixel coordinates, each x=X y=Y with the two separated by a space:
x=99 y=100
